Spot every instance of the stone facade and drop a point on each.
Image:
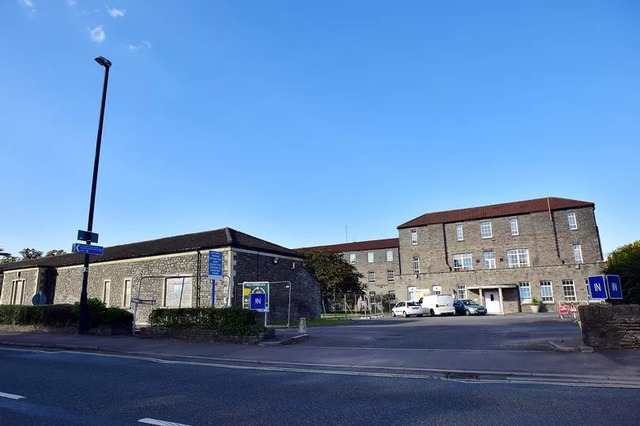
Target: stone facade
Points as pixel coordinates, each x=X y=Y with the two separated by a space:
x=615 y=327
x=381 y=275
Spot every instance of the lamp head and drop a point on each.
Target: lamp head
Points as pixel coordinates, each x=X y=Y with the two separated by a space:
x=103 y=61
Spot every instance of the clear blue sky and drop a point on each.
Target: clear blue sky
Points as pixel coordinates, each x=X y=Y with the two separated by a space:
x=290 y=120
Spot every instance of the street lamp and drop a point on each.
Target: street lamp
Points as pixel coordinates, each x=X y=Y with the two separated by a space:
x=82 y=320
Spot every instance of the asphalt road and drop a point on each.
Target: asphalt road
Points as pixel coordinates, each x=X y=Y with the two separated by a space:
x=63 y=388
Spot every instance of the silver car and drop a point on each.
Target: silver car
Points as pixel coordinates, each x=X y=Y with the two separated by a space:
x=406 y=309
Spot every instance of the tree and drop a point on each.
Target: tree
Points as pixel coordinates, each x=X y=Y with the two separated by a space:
x=332 y=270
x=6 y=257
x=51 y=253
x=4 y=253
x=29 y=253
x=625 y=261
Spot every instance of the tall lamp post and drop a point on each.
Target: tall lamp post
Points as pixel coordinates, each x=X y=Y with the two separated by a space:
x=82 y=320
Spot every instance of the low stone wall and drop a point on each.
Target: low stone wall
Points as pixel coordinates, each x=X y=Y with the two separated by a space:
x=202 y=335
x=101 y=331
x=607 y=326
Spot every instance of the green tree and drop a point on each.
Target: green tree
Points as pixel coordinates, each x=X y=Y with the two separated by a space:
x=29 y=253
x=6 y=257
x=51 y=253
x=4 y=253
x=332 y=270
x=625 y=261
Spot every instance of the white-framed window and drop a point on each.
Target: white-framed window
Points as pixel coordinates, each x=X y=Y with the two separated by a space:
x=17 y=292
x=462 y=262
x=370 y=257
x=414 y=237
x=546 y=291
x=569 y=290
x=177 y=292
x=513 y=223
x=391 y=276
x=106 y=292
x=459 y=232
x=461 y=291
x=436 y=289
x=485 y=230
x=577 y=253
x=489 y=259
x=525 y=291
x=126 y=299
x=571 y=218
x=352 y=258
x=372 y=277
x=389 y=255
x=518 y=258
x=416 y=265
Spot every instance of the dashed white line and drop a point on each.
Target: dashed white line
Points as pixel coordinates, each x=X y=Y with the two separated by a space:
x=11 y=396
x=159 y=422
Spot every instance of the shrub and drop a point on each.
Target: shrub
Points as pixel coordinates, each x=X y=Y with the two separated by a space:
x=117 y=317
x=228 y=321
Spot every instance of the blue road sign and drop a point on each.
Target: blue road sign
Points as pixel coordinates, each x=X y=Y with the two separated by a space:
x=215 y=265
x=597 y=287
x=257 y=301
x=614 y=286
x=87 y=249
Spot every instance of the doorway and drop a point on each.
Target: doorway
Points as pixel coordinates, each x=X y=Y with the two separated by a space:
x=492 y=301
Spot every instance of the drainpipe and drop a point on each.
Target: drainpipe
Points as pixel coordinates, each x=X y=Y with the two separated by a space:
x=446 y=252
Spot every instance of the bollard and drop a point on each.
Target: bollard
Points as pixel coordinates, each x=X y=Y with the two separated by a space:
x=302 y=326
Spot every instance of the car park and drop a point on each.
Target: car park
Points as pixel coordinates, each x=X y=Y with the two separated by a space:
x=468 y=307
x=406 y=309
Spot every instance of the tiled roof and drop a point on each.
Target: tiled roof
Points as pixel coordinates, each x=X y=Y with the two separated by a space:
x=224 y=237
x=496 y=210
x=358 y=246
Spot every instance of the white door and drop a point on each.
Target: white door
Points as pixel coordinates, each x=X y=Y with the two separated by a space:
x=492 y=301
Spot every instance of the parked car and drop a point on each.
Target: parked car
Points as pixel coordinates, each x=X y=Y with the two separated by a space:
x=437 y=304
x=406 y=309
x=468 y=307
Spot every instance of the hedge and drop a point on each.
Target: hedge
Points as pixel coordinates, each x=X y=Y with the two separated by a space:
x=65 y=315
x=227 y=321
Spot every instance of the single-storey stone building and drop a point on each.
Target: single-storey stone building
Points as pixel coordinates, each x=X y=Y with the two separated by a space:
x=171 y=272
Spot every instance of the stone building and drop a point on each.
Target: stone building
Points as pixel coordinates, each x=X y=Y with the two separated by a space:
x=171 y=272
x=502 y=255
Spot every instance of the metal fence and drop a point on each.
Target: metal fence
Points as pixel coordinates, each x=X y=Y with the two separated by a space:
x=349 y=304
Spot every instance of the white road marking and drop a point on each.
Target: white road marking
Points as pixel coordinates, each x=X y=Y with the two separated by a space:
x=159 y=422
x=11 y=396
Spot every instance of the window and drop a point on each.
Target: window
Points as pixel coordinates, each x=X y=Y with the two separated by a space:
x=577 y=253
x=462 y=262
x=514 y=226
x=459 y=233
x=525 y=291
x=352 y=258
x=573 y=223
x=518 y=258
x=390 y=276
x=414 y=237
x=546 y=291
x=436 y=289
x=461 y=291
x=106 y=292
x=389 y=255
x=17 y=292
x=489 y=260
x=126 y=300
x=372 y=277
x=569 y=290
x=177 y=292
x=416 y=265
x=392 y=295
x=485 y=230
x=370 y=257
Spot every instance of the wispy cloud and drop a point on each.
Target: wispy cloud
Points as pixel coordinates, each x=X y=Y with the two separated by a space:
x=27 y=3
x=71 y=3
x=135 y=47
x=116 y=13
x=97 y=34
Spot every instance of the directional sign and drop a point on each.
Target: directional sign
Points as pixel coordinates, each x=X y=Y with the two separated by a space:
x=87 y=249
x=87 y=236
x=254 y=291
x=597 y=287
x=257 y=301
x=215 y=265
x=614 y=287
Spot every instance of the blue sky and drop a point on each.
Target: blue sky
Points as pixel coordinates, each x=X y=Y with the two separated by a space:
x=290 y=120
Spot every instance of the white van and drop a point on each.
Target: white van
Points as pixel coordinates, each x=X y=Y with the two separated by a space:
x=437 y=304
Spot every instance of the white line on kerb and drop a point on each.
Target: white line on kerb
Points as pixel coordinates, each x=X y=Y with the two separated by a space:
x=159 y=422
x=11 y=396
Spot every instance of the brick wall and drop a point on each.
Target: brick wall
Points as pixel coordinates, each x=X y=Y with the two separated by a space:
x=379 y=267
x=607 y=326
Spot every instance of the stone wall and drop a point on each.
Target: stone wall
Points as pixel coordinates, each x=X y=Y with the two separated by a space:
x=607 y=326
x=33 y=282
x=380 y=267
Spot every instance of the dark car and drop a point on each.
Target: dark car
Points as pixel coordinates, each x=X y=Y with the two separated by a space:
x=468 y=307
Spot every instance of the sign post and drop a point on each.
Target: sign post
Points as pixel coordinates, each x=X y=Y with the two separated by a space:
x=597 y=287
x=215 y=272
x=614 y=287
